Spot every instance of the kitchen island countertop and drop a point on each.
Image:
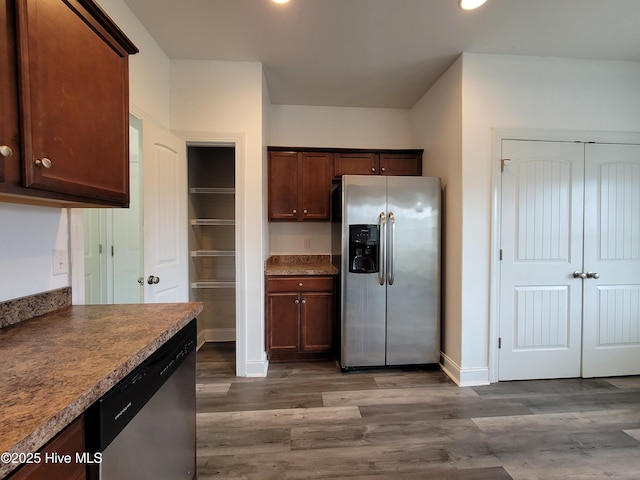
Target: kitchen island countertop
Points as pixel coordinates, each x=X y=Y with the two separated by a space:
x=54 y=366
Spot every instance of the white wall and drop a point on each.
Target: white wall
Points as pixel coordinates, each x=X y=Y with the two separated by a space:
x=28 y=237
x=437 y=128
x=338 y=127
x=148 y=70
x=532 y=93
x=224 y=100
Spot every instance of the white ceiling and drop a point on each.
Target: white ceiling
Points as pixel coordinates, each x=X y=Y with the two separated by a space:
x=382 y=53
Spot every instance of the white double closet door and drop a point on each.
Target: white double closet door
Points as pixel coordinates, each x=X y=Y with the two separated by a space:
x=570 y=269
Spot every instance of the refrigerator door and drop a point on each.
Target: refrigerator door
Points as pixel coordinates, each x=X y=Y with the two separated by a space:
x=363 y=295
x=413 y=264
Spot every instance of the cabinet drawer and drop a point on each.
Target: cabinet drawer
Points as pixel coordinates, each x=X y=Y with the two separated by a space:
x=299 y=284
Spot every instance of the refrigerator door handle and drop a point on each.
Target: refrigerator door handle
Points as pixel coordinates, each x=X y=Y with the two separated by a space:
x=391 y=270
x=382 y=257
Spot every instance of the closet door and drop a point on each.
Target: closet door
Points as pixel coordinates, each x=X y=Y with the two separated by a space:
x=611 y=338
x=541 y=242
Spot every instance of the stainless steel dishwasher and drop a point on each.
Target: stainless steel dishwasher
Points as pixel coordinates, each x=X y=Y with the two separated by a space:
x=144 y=427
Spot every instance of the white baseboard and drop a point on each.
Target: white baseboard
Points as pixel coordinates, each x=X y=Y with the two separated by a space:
x=464 y=377
x=257 y=368
x=218 y=335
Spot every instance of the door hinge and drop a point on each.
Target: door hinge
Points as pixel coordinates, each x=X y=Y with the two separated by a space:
x=100 y=249
x=503 y=162
x=112 y=250
x=499 y=342
x=500 y=254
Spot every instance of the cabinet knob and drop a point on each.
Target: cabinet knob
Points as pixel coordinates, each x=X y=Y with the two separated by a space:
x=373 y=169
x=304 y=301
x=5 y=150
x=295 y=211
x=296 y=301
x=304 y=211
x=382 y=169
x=44 y=162
x=300 y=284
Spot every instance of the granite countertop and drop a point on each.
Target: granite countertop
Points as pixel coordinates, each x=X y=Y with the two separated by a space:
x=293 y=265
x=54 y=366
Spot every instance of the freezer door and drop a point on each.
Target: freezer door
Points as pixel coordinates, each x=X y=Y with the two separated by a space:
x=413 y=270
x=363 y=295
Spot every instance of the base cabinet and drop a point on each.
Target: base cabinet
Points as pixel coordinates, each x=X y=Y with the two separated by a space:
x=300 y=318
x=67 y=445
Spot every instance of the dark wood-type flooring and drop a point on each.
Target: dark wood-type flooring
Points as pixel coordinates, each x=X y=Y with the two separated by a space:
x=310 y=421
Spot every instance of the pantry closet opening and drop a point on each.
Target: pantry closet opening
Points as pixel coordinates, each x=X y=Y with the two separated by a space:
x=212 y=239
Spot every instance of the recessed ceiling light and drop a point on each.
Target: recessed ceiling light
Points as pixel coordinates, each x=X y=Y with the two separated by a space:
x=470 y=4
x=280 y=1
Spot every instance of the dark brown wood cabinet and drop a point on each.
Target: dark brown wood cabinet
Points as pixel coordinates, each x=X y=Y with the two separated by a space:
x=379 y=163
x=64 y=93
x=66 y=464
x=299 y=186
x=300 y=317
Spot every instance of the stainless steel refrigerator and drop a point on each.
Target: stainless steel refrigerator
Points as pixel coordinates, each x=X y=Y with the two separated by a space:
x=386 y=243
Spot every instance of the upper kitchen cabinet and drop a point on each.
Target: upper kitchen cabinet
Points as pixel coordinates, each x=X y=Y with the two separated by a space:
x=299 y=186
x=64 y=95
x=401 y=162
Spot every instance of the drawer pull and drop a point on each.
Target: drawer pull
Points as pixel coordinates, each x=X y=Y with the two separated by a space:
x=300 y=284
x=296 y=301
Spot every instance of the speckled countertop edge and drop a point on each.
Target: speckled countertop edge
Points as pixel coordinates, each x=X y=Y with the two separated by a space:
x=291 y=265
x=24 y=308
x=57 y=365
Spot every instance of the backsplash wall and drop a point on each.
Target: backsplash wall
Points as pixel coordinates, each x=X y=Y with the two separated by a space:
x=29 y=236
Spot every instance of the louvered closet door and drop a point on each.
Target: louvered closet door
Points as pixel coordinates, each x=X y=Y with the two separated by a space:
x=541 y=241
x=612 y=251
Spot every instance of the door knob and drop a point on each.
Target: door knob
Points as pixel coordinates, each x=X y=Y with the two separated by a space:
x=152 y=280
x=5 y=151
x=594 y=275
x=579 y=275
x=43 y=162
x=141 y=280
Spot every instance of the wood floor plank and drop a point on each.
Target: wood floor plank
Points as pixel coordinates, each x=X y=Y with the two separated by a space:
x=310 y=421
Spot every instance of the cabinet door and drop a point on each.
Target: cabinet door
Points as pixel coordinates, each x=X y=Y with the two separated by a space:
x=355 y=164
x=9 y=138
x=283 y=322
x=315 y=181
x=69 y=442
x=73 y=78
x=283 y=186
x=400 y=164
x=316 y=316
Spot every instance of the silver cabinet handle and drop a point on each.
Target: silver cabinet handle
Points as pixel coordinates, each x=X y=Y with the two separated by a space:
x=296 y=301
x=593 y=275
x=382 y=255
x=295 y=211
x=43 y=162
x=373 y=169
x=391 y=271
x=382 y=169
x=304 y=211
x=579 y=275
x=153 y=280
x=5 y=150
x=304 y=301
x=300 y=284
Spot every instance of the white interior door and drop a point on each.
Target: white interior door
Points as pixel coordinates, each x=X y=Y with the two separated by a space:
x=165 y=215
x=541 y=241
x=612 y=253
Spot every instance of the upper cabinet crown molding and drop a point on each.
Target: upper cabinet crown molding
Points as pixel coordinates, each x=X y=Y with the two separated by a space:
x=64 y=89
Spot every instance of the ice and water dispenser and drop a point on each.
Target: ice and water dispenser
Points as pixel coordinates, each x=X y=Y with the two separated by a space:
x=363 y=248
